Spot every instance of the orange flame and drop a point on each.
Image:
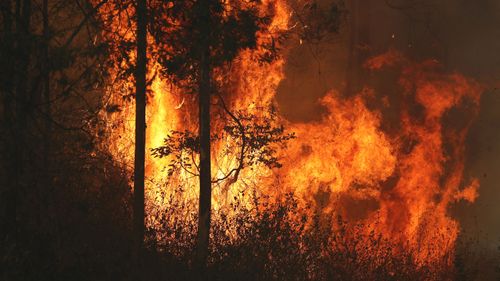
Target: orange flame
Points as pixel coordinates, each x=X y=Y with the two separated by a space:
x=407 y=178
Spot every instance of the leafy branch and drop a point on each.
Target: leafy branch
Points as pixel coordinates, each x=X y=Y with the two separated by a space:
x=249 y=139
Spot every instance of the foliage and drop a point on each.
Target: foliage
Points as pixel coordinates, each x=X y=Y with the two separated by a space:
x=249 y=139
x=178 y=24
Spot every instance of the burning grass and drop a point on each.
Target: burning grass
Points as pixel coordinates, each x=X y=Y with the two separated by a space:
x=272 y=243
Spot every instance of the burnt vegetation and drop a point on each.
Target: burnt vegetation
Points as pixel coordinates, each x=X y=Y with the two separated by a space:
x=67 y=205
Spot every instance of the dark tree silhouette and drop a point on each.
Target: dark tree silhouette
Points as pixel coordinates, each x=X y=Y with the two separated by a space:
x=219 y=33
x=8 y=96
x=49 y=73
x=202 y=8
x=140 y=122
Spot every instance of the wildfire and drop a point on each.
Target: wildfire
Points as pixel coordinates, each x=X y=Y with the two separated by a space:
x=404 y=179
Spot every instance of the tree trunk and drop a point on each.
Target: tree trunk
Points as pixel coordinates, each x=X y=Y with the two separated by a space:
x=23 y=109
x=45 y=190
x=140 y=125
x=204 y=132
x=46 y=86
x=359 y=45
x=9 y=152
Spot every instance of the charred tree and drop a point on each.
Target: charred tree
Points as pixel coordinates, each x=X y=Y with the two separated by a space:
x=140 y=123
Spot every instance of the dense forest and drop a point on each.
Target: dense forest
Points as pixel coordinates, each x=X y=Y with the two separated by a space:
x=249 y=140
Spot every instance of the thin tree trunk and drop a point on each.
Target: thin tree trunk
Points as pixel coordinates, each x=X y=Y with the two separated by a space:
x=46 y=86
x=45 y=190
x=9 y=152
x=22 y=108
x=140 y=125
x=204 y=131
x=359 y=45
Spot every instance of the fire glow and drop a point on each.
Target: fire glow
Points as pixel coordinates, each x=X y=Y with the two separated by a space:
x=404 y=178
